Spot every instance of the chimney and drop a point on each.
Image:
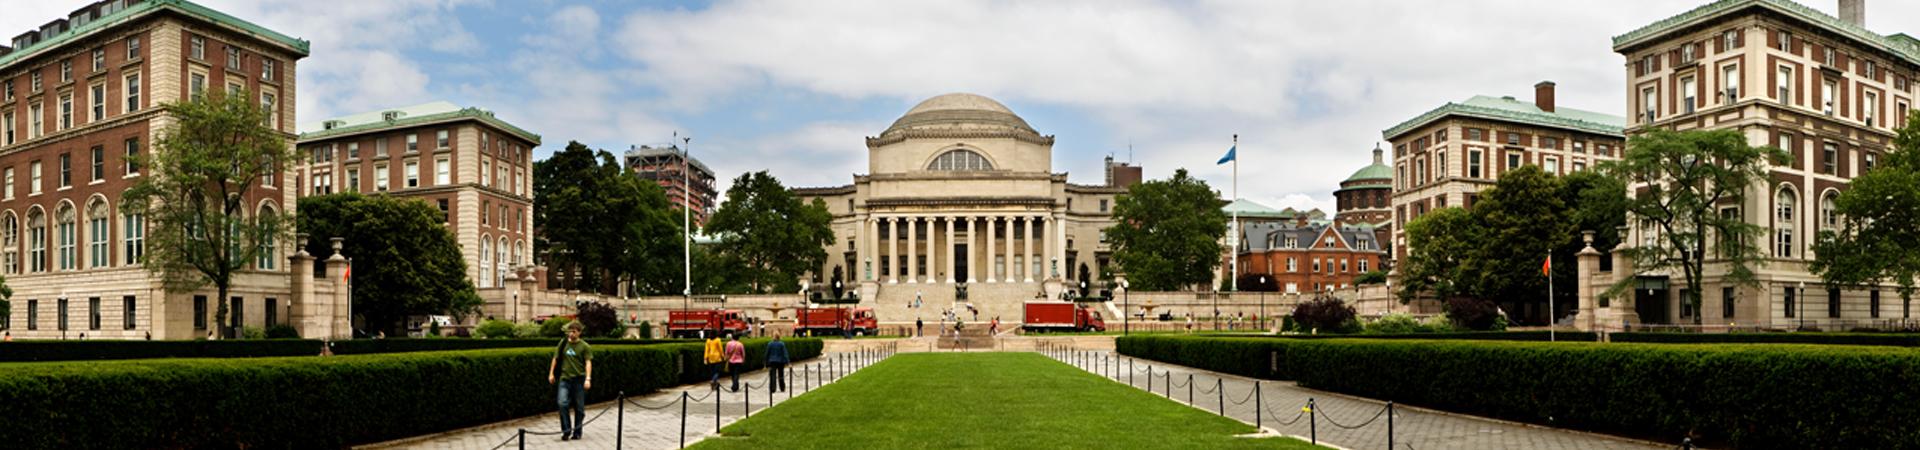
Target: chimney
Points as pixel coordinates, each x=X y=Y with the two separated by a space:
x=1377 y=160
x=1543 y=95
x=1854 y=11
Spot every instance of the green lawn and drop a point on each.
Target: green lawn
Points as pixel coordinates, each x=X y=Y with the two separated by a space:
x=984 y=400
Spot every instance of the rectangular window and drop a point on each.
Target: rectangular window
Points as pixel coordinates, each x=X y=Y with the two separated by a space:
x=413 y=143
x=1649 y=104
x=6 y=121
x=99 y=163
x=1579 y=146
x=66 y=235
x=272 y=311
x=1786 y=45
x=440 y=139
x=1826 y=56
x=1316 y=265
x=353 y=150
x=442 y=174
x=380 y=174
x=6 y=88
x=1513 y=138
x=1872 y=104
x=1292 y=266
x=1730 y=83
x=66 y=169
x=380 y=147
x=127 y=307
x=322 y=184
x=93 y=313
x=133 y=47
x=1579 y=166
x=233 y=88
x=1726 y=302
x=1826 y=96
x=199 y=312
x=266 y=68
x=486 y=168
x=133 y=93
x=33 y=315
x=1833 y=303
x=1687 y=53
x=97 y=96
x=1829 y=159
x=99 y=59
x=135 y=229
x=1687 y=103
x=133 y=154
x=9 y=190
x=61 y=313
x=1513 y=161
x=199 y=48
x=66 y=111
x=33 y=186
x=1103 y=205
x=197 y=85
x=1867 y=162
x=353 y=180
x=413 y=174
x=236 y=311
x=66 y=71
x=1551 y=143
x=267 y=101
x=233 y=57
x=1473 y=163
x=35 y=126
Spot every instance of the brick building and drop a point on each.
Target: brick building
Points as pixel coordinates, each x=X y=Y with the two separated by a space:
x=1824 y=88
x=663 y=165
x=1446 y=156
x=1305 y=256
x=79 y=95
x=471 y=165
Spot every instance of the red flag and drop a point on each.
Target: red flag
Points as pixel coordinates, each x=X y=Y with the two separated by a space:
x=1546 y=268
x=347 y=275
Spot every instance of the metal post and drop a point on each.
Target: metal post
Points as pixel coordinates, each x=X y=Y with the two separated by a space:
x=1218 y=384
x=1313 y=424
x=1169 y=386
x=748 y=400
x=619 y=418
x=1149 y=378
x=716 y=410
x=683 y=419
x=1389 y=423
x=523 y=438
x=1258 y=405
x=1130 y=372
x=788 y=380
x=1189 y=388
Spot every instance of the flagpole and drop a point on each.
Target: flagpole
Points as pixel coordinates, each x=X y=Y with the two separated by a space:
x=1233 y=278
x=1550 y=310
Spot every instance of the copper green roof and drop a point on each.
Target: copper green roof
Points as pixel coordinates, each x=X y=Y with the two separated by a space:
x=1510 y=110
x=416 y=115
x=299 y=47
x=1905 y=48
x=1372 y=172
x=1249 y=208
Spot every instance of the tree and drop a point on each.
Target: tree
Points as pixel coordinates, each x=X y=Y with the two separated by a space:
x=772 y=235
x=611 y=226
x=1522 y=219
x=1440 y=243
x=599 y=319
x=405 y=260
x=1166 y=233
x=1879 y=237
x=202 y=193
x=1681 y=178
x=1596 y=203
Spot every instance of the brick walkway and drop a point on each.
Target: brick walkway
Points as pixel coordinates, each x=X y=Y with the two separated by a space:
x=1415 y=428
x=657 y=428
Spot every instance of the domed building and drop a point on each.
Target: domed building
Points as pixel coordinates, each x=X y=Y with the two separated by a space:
x=1366 y=198
x=961 y=204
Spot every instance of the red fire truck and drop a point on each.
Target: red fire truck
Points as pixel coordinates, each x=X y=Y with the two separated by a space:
x=1061 y=316
x=715 y=322
x=835 y=321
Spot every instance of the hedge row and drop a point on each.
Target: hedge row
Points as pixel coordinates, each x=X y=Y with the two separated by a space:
x=306 y=402
x=1578 y=336
x=1745 y=396
x=1892 y=339
x=109 y=349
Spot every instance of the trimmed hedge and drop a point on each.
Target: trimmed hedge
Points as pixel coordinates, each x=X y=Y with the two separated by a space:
x=18 y=351
x=1574 y=336
x=1745 y=396
x=367 y=346
x=1258 y=357
x=1892 y=339
x=306 y=402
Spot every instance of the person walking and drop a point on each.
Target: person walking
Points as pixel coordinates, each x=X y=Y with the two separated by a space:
x=777 y=364
x=736 y=360
x=943 y=324
x=713 y=357
x=994 y=328
x=918 y=326
x=573 y=364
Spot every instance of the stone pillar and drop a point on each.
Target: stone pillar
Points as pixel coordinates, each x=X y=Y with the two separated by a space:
x=933 y=255
x=305 y=315
x=893 y=250
x=858 y=271
x=986 y=252
x=1011 y=267
x=948 y=223
x=913 y=263
x=973 y=249
x=1588 y=268
x=1060 y=246
x=340 y=317
x=1624 y=311
x=1033 y=234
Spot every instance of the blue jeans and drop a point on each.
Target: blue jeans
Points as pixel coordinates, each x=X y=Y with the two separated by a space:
x=573 y=394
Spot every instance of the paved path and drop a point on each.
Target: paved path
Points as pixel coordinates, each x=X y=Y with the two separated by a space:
x=652 y=421
x=1414 y=428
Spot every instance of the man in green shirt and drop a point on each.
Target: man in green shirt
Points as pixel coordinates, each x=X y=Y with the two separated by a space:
x=573 y=359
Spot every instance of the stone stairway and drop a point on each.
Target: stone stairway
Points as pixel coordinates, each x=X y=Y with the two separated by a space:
x=974 y=336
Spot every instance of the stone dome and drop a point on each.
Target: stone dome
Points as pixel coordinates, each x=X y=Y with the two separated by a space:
x=1376 y=171
x=960 y=111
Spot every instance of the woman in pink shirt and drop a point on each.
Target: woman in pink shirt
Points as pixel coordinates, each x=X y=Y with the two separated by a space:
x=736 y=360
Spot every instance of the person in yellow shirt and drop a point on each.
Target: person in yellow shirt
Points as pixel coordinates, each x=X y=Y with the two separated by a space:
x=714 y=357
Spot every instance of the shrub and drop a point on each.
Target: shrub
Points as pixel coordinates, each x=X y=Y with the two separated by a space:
x=283 y=331
x=598 y=318
x=527 y=330
x=646 y=330
x=1440 y=324
x=494 y=329
x=1326 y=313
x=371 y=346
x=252 y=333
x=554 y=327
x=1744 y=396
x=1886 y=339
x=1475 y=314
x=104 y=350
x=1397 y=323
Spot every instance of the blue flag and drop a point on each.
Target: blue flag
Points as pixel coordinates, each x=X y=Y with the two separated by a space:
x=1229 y=157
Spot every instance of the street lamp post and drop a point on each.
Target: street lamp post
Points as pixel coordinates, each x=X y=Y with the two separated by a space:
x=1802 y=294
x=1263 y=303
x=1126 y=305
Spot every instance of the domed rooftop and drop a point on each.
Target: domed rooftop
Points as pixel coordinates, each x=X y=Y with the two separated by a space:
x=960 y=111
x=1376 y=171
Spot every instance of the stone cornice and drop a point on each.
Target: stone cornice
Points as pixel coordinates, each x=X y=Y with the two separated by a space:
x=899 y=136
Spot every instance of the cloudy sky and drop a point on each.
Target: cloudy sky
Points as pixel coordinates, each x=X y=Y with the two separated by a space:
x=793 y=86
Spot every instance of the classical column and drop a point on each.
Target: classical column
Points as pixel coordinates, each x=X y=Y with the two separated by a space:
x=986 y=251
x=893 y=250
x=871 y=244
x=1027 y=247
x=1011 y=267
x=973 y=250
x=913 y=263
x=949 y=222
x=933 y=256
x=1060 y=243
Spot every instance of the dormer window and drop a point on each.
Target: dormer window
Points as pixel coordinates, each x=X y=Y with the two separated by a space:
x=332 y=124
x=960 y=160
x=390 y=116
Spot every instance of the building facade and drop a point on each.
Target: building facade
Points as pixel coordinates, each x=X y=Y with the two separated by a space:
x=664 y=165
x=471 y=165
x=1825 y=89
x=1305 y=256
x=78 y=96
x=961 y=196
x=1446 y=156
x=1366 y=197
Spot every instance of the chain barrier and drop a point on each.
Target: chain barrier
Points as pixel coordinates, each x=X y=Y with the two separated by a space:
x=517 y=436
x=1216 y=387
x=1243 y=400
x=1376 y=416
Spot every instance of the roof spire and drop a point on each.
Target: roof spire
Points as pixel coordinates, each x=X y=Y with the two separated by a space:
x=1376 y=154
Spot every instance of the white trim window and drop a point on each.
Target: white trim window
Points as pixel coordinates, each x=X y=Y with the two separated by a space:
x=133 y=47
x=66 y=110
x=134 y=238
x=99 y=59
x=133 y=93
x=1872 y=105
x=412 y=173
x=440 y=140
x=33 y=187
x=198 y=44
x=380 y=176
x=97 y=97
x=6 y=120
x=9 y=181
x=1783 y=203
x=1730 y=83
x=353 y=180
x=36 y=123
x=1649 y=104
x=442 y=171
x=1826 y=96
x=1687 y=100
x=1783 y=85
x=97 y=246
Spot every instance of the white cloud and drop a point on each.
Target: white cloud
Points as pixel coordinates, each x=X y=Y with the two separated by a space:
x=814 y=154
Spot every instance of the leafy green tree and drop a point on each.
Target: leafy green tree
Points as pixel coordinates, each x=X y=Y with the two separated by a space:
x=1167 y=233
x=610 y=225
x=1879 y=237
x=1439 y=246
x=1681 y=178
x=773 y=237
x=202 y=190
x=405 y=260
x=1522 y=219
x=1596 y=203
x=715 y=272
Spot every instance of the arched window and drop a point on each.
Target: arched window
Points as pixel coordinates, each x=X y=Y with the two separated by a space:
x=97 y=236
x=1783 y=204
x=1829 y=214
x=268 y=249
x=956 y=160
x=36 y=240
x=10 y=236
x=500 y=262
x=486 y=259
x=66 y=236
x=516 y=252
